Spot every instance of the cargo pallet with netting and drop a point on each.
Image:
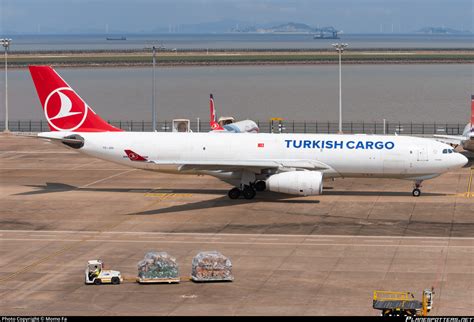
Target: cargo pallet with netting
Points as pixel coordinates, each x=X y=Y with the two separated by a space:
x=158 y=267
x=211 y=266
x=158 y=280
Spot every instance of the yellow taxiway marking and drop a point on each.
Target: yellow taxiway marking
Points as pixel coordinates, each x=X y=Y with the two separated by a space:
x=469 y=185
x=469 y=193
x=163 y=195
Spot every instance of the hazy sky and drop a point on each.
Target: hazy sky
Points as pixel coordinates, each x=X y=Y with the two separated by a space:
x=352 y=16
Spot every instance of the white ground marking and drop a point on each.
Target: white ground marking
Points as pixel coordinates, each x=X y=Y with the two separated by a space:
x=14 y=157
x=107 y=178
x=376 y=238
x=228 y=243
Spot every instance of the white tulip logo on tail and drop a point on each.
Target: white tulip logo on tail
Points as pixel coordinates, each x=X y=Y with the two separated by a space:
x=65 y=111
x=66 y=106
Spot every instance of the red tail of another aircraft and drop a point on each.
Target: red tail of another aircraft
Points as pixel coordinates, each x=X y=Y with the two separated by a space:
x=63 y=108
x=212 y=122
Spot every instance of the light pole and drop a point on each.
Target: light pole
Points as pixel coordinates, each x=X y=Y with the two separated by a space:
x=340 y=49
x=153 y=96
x=6 y=43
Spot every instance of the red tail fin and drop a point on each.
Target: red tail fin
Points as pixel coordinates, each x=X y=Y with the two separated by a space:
x=63 y=108
x=212 y=122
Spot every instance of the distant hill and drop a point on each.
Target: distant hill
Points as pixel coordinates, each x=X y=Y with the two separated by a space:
x=441 y=30
x=290 y=27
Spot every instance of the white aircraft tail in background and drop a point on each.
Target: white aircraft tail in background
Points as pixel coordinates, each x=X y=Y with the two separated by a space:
x=466 y=140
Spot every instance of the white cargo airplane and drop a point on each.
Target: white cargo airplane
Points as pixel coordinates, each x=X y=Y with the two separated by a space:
x=294 y=164
x=466 y=140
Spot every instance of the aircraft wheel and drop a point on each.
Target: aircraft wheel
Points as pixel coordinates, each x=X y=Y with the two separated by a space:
x=234 y=193
x=260 y=185
x=416 y=192
x=249 y=193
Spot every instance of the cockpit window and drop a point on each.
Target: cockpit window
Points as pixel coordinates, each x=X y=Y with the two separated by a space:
x=445 y=151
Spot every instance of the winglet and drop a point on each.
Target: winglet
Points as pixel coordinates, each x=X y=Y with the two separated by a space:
x=133 y=156
x=212 y=121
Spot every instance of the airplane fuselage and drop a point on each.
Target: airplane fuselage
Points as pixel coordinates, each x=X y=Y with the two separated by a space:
x=345 y=155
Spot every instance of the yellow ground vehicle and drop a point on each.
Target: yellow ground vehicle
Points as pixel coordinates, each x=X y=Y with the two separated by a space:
x=402 y=303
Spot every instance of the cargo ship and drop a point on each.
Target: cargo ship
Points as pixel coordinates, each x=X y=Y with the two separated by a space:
x=116 y=38
x=326 y=35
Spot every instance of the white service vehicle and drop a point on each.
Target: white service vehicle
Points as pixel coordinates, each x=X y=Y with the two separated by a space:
x=95 y=274
x=181 y=125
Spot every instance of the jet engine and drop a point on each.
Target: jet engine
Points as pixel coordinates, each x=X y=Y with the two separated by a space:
x=301 y=183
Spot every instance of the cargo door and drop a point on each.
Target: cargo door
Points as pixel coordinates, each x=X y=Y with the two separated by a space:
x=422 y=154
x=394 y=166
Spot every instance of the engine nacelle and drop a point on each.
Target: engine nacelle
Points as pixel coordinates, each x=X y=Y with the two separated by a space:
x=301 y=183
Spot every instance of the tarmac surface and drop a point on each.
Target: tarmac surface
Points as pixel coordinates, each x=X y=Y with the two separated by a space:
x=320 y=255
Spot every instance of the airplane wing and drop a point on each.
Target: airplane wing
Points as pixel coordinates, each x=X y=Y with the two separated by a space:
x=253 y=165
x=450 y=139
x=230 y=165
x=467 y=143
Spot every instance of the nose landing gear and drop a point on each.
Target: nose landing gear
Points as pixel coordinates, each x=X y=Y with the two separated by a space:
x=416 y=190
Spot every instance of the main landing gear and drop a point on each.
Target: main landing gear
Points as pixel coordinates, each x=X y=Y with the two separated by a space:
x=416 y=191
x=234 y=193
x=248 y=187
x=248 y=192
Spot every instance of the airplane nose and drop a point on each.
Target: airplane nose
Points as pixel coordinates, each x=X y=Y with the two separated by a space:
x=461 y=160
